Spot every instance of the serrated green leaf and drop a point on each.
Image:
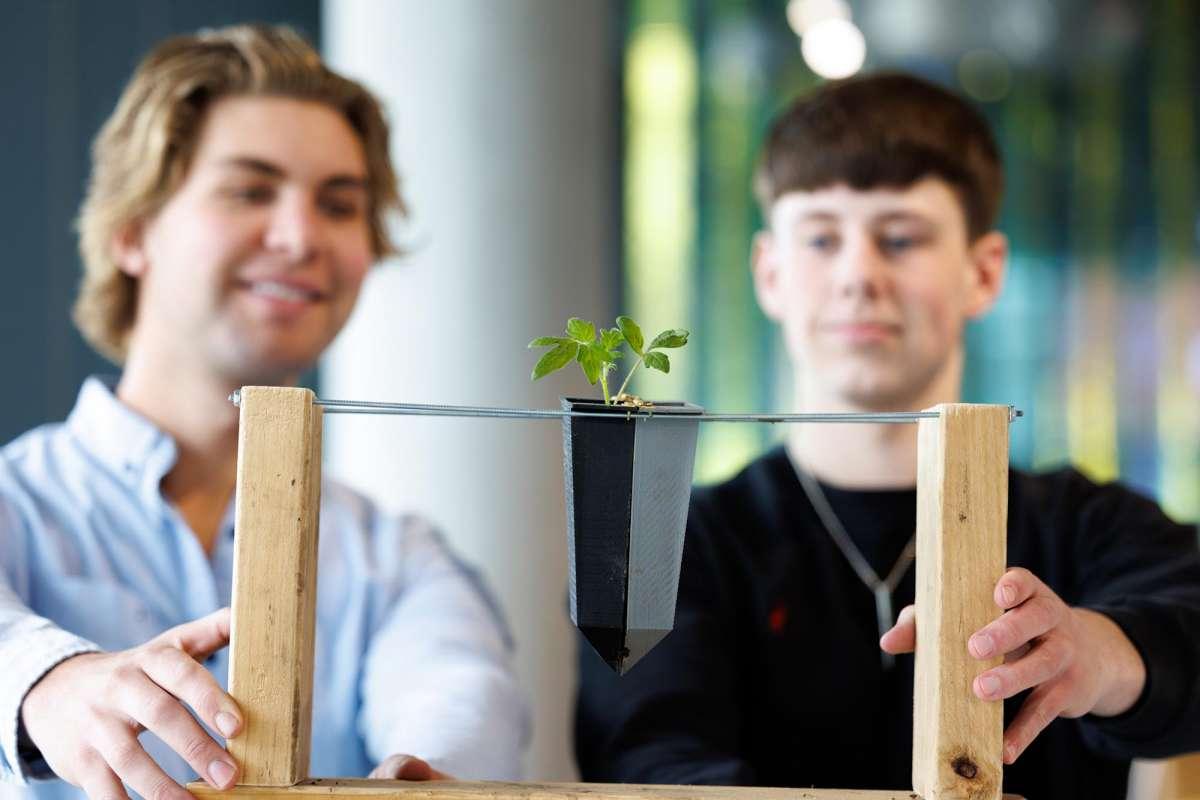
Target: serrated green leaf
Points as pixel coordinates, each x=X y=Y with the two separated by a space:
x=581 y=330
x=603 y=355
x=658 y=361
x=556 y=359
x=632 y=333
x=611 y=339
x=591 y=364
x=545 y=341
x=675 y=337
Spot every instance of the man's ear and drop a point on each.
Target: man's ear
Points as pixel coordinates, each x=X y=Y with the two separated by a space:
x=988 y=264
x=765 y=268
x=127 y=248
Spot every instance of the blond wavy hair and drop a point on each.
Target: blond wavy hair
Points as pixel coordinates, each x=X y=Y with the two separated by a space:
x=143 y=151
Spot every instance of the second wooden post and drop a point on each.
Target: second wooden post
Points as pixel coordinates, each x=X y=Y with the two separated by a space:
x=962 y=513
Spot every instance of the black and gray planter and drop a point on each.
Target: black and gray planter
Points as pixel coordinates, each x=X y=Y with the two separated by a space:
x=628 y=479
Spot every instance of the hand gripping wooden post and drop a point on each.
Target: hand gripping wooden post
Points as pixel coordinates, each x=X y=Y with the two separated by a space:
x=962 y=504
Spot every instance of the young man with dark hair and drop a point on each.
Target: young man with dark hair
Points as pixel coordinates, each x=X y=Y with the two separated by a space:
x=879 y=196
x=240 y=192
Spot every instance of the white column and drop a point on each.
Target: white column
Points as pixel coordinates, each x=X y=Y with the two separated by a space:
x=504 y=133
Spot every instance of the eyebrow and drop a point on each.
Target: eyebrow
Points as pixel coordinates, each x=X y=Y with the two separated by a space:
x=897 y=215
x=815 y=215
x=904 y=216
x=267 y=169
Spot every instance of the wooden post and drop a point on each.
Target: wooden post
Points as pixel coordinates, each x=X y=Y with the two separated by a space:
x=962 y=512
x=275 y=582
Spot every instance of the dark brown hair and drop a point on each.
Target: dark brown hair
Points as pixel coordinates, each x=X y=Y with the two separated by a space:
x=883 y=130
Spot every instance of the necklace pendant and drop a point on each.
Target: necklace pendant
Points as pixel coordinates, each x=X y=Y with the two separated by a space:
x=885 y=619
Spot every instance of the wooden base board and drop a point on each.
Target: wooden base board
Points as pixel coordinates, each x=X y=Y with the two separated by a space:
x=496 y=790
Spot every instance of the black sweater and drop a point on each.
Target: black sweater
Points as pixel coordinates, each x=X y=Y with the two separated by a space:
x=772 y=676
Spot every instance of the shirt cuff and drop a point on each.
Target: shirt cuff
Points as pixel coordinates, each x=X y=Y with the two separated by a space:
x=27 y=658
x=1158 y=708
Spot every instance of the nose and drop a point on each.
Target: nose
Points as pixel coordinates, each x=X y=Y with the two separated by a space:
x=860 y=269
x=294 y=228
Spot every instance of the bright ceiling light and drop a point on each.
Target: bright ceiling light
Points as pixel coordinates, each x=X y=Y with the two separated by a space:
x=803 y=14
x=834 y=48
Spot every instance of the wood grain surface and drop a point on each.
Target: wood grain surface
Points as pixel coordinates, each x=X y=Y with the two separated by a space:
x=962 y=512
x=274 y=582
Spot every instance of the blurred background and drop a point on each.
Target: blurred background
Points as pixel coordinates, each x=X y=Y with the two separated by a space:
x=573 y=157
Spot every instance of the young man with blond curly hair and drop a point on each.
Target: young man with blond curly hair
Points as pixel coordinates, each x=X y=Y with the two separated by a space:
x=240 y=192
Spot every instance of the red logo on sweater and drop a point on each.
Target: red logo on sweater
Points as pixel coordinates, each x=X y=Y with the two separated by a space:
x=777 y=619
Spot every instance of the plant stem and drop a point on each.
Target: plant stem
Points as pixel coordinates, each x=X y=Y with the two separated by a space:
x=632 y=370
x=604 y=386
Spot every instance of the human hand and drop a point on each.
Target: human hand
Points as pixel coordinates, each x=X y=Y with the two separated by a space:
x=85 y=714
x=401 y=767
x=1075 y=660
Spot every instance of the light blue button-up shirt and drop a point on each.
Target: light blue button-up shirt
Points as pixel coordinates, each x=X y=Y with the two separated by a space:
x=411 y=654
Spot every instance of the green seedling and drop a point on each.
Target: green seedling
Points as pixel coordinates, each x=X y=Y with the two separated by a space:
x=597 y=352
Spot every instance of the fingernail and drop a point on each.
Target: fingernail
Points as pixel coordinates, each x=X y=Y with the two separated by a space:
x=1009 y=594
x=227 y=723
x=989 y=684
x=1010 y=752
x=981 y=643
x=220 y=772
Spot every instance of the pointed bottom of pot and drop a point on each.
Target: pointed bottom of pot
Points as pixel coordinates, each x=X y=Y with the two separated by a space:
x=622 y=649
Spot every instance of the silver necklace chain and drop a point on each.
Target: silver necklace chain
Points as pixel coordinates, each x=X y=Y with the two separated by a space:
x=882 y=589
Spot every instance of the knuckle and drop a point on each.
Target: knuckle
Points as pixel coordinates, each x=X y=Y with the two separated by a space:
x=124 y=755
x=178 y=667
x=164 y=788
x=1047 y=661
x=156 y=659
x=196 y=750
x=113 y=682
x=157 y=710
x=1006 y=632
x=1058 y=649
x=1046 y=612
x=1068 y=649
x=92 y=718
x=126 y=673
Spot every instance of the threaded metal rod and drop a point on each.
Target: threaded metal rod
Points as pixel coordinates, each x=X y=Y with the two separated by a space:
x=428 y=410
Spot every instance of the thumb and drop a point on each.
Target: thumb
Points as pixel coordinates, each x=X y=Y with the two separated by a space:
x=403 y=767
x=202 y=637
x=901 y=637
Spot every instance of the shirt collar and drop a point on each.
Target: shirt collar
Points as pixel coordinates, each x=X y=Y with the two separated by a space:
x=126 y=442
